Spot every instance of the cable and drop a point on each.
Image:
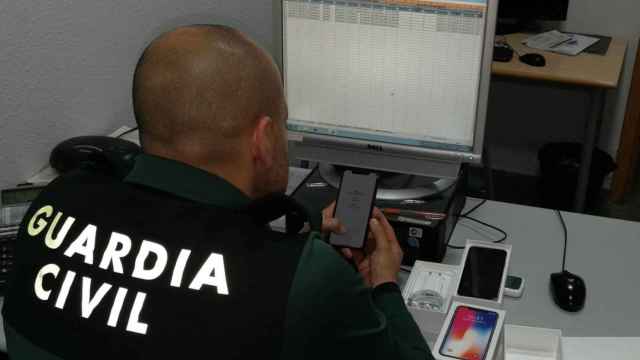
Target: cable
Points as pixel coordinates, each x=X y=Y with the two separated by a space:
x=127 y=132
x=504 y=233
x=479 y=205
x=564 y=252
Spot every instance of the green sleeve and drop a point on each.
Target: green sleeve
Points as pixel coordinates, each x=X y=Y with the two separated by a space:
x=331 y=312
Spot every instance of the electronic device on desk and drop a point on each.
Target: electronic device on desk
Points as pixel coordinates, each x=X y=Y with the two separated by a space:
x=568 y=290
x=112 y=155
x=15 y=203
x=423 y=226
x=534 y=59
x=482 y=273
x=522 y=15
x=514 y=286
x=369 y=90
x=354 y=207
x=8 y=235
x=502 y=52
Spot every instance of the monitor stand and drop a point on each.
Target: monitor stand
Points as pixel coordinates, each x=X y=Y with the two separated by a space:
x=392 y=186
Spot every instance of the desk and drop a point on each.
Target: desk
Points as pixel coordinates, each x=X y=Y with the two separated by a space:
x=604 y=252
x=595 y=73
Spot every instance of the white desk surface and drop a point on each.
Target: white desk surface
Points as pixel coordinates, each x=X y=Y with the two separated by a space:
x=604 y=252
x=599 y=348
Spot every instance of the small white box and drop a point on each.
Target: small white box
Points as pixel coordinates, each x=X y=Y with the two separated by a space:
x=478 y=301
x=531 y=343
x=495 y=351
x=435 y=277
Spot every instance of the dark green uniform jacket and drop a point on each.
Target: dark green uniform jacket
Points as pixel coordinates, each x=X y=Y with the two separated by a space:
x=172 y=263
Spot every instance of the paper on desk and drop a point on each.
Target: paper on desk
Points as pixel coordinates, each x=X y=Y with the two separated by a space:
x=576 y=45
x=561 y=43
x=547 y=41
x=296 y=177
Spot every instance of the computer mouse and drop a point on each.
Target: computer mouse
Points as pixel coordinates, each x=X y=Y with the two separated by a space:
x=533 y=59
x=568 y=291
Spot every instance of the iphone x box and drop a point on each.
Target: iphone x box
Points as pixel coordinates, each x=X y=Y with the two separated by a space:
x=471 y=332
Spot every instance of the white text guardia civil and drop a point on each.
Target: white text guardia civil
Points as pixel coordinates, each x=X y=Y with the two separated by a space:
x=211 y=273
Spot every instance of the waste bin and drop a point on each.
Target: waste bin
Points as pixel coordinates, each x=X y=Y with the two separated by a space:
x=559 y=171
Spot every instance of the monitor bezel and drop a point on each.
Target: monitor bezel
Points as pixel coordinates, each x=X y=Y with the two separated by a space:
x=317 y=141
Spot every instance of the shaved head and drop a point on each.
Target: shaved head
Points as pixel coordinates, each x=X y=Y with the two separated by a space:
x=208 y=96
x=199 y=89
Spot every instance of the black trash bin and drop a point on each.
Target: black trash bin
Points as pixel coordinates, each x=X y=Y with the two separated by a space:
x=559 y=171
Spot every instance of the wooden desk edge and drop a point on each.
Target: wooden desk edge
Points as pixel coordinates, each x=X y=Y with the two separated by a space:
x=617 y=51
x=556 y=79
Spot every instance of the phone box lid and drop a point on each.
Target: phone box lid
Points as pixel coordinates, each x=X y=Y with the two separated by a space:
x=495 y=350
x=479 y=301
x=532 y=342
x=430 y=278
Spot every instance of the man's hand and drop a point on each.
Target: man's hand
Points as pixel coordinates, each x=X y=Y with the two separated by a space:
x=329 y=223
x=384 y=255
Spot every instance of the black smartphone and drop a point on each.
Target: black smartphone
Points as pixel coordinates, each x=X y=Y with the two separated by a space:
x=482 y=273
x=353 y=208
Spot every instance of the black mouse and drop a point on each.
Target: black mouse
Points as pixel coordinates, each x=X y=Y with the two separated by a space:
x=533 y=59
x=568 y=291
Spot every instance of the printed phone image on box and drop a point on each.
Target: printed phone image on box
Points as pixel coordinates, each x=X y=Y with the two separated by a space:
x=469 y=334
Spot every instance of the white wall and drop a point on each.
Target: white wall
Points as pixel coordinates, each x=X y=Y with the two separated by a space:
x=66 y=70
x=66 y=66
x=524 y=116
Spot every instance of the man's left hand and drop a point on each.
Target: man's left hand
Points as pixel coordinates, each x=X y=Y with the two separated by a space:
x=329 y=223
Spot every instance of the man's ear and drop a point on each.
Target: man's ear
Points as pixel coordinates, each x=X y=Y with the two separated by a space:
x=262 y=142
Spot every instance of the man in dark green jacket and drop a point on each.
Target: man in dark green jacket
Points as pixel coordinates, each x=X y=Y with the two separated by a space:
x=176 y=260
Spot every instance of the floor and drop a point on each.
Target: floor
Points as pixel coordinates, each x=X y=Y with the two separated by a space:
x=526 y=190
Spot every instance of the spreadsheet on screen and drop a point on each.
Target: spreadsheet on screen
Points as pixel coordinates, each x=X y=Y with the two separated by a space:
x=398 y=71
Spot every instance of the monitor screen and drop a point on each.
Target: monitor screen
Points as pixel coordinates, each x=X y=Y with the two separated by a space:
x=402 y=72
x=534 y=9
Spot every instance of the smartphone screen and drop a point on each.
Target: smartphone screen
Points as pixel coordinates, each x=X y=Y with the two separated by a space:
x=469 y=334
x=353 y=209
x=482 y=273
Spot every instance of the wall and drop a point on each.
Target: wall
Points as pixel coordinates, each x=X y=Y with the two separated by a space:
x=67 y=65
x=524 y=116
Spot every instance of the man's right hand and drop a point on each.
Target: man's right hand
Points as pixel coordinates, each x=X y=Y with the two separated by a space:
x=383 y=258
x=386 y=257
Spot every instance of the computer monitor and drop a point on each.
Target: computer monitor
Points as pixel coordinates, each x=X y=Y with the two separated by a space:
x=392 y=85
x=555 y=10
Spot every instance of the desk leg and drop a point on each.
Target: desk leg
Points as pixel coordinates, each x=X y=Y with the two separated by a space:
x=597 y=96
